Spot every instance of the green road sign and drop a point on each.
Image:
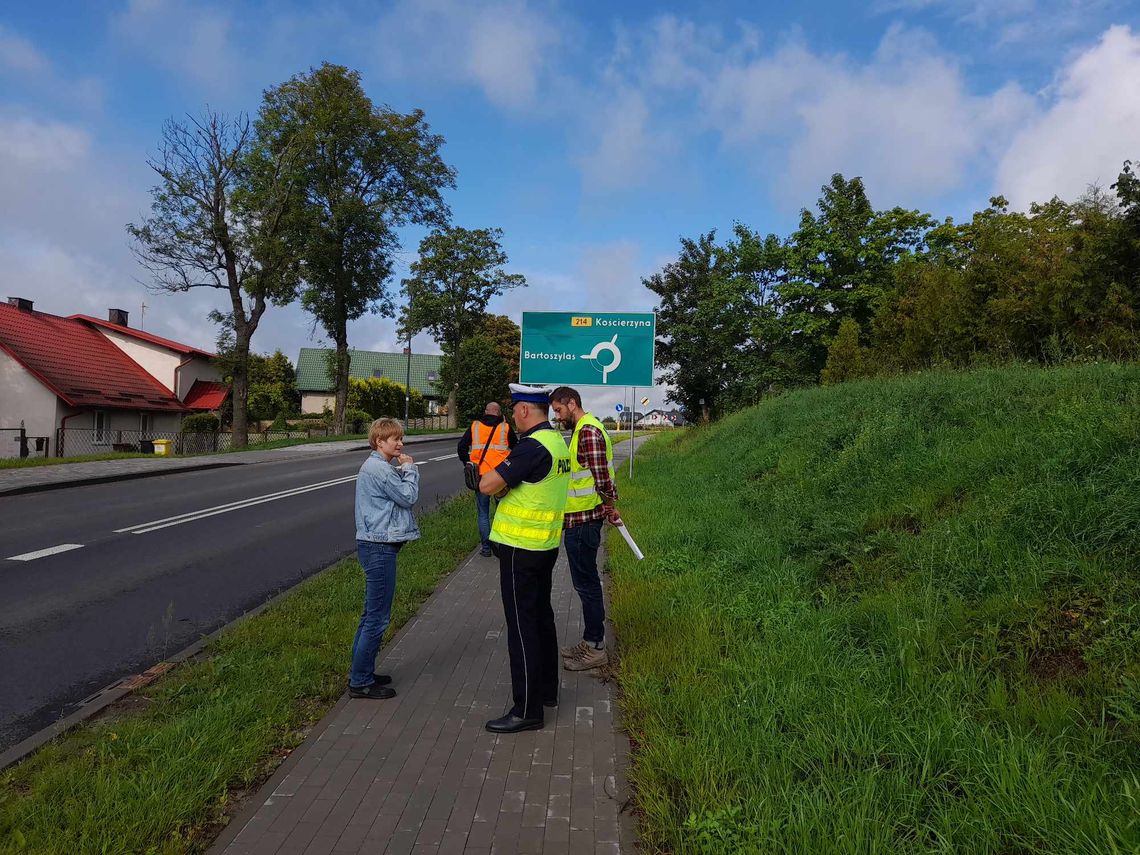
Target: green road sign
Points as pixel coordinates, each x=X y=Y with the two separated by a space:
x=587 y=348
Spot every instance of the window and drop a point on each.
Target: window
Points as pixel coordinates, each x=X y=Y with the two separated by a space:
x=100 y=434
x=146 y=425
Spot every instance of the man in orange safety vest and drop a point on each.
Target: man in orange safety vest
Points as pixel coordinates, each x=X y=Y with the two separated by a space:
x=486 y=444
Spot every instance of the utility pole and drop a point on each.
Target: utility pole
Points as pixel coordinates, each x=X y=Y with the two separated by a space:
x=408 y=382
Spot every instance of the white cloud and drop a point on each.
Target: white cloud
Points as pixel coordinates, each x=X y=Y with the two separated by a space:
x=33 y=73
x=39 y=146
x=192 y=40
x=19 y=54
x=502 y=48
x=905 y=119
x=626 y=150
x=1089 y=125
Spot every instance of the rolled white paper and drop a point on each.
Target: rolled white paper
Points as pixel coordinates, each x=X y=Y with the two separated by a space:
x=629 y=539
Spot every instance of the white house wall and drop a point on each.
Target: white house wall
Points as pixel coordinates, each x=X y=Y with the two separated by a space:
x=23 y=397
x=158 y=361
x=315 y=402
x=198 y=368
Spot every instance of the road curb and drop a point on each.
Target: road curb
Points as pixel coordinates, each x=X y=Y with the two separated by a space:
x=118 y=690
x=106 y=479
x=131 y=476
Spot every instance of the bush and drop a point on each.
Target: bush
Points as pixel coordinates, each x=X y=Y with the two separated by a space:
x=382 y=397
x=356 y=421
x=279 y=423
x=201 y=423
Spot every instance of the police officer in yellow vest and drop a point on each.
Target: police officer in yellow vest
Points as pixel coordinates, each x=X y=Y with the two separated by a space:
x=486 y=444
x=532 y=486
x=591 y=499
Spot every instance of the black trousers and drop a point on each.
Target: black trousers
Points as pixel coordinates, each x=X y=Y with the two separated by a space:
x=525 y=578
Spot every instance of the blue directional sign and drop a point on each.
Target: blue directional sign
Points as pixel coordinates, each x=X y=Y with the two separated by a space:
x=619 y=408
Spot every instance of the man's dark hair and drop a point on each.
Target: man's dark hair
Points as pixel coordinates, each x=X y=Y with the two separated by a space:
x=564 y=393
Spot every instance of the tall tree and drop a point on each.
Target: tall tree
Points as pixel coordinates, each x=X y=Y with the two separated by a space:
x=702 y=326
x=485 y=380
x=507 y=338
x=840 y=264
x=218 y=223
x=362 y=172
x=457 y=273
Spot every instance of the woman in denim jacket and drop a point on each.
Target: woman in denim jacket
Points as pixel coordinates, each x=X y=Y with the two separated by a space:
x=386 y=488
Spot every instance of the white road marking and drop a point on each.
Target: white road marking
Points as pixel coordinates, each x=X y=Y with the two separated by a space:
x=203 y=513
x=44 y=553
x=155 y=525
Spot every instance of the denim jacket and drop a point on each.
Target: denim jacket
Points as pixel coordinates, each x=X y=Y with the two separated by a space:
x=384 y=498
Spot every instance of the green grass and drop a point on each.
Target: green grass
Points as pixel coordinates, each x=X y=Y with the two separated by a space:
x=160 y=780
x=890 y=616
x=26 y=462
x=288 y=443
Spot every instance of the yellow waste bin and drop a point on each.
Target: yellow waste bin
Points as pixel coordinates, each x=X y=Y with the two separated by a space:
x=162 y=447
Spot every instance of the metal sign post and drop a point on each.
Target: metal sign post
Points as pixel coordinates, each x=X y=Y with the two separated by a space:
x=632 y=414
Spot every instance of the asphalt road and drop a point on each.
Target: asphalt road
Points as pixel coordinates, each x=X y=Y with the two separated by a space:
x=115 y=577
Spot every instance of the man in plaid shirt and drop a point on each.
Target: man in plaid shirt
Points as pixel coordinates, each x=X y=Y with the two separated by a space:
x=590 y=503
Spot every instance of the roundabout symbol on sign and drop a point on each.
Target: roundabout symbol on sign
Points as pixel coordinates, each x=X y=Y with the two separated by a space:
x=612 y=347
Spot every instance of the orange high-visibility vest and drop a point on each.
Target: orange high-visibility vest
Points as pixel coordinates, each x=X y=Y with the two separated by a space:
x=497 y=450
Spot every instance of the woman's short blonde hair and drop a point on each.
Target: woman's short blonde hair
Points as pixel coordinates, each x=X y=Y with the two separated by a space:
x=384 y=429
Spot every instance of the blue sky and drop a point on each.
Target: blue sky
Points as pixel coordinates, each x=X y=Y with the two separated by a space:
x=594 y=134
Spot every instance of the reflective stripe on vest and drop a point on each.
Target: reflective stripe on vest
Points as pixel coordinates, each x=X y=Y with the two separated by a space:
x=530 y=515
x=498 y=449
x=582 y=494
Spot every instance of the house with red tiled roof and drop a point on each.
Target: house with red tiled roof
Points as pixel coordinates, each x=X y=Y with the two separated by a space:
x=114 y=385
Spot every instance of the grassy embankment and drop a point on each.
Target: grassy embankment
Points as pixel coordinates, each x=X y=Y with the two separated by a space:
x=891 y=616
x=160 y=779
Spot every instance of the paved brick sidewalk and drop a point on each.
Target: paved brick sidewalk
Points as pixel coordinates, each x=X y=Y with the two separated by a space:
x=419 y=773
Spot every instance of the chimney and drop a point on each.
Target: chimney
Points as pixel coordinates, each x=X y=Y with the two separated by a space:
x=20 y=303
x=118 y=316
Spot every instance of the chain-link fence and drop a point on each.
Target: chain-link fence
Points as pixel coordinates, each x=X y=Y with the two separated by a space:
x=72 y=442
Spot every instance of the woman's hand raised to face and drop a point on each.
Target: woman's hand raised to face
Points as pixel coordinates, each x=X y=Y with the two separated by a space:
x=403 y=459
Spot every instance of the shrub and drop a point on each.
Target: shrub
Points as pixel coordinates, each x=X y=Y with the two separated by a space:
x=200 y=423
x=356 y=421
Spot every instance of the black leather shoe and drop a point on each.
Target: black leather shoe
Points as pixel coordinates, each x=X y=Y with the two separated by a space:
x=511 y=723
x=485 y=552
x=551 y=703
x=381 y=679
x=375 y=692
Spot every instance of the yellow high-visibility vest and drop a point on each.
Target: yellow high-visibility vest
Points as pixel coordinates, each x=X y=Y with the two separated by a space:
x=530 y=515
x=583 y=493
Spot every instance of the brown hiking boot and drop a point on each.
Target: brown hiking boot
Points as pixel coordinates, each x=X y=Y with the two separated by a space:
x=586 y=659
x=574 y=650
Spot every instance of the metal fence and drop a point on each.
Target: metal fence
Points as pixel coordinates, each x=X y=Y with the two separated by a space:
x=17 y=442
x=428 y=423
x=72 y=442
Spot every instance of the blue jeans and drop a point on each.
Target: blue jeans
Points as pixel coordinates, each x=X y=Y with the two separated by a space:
x=582 y=542
x=483 y=507
x=379 y=563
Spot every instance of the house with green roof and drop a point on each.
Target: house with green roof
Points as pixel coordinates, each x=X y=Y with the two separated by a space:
x=317 y=390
